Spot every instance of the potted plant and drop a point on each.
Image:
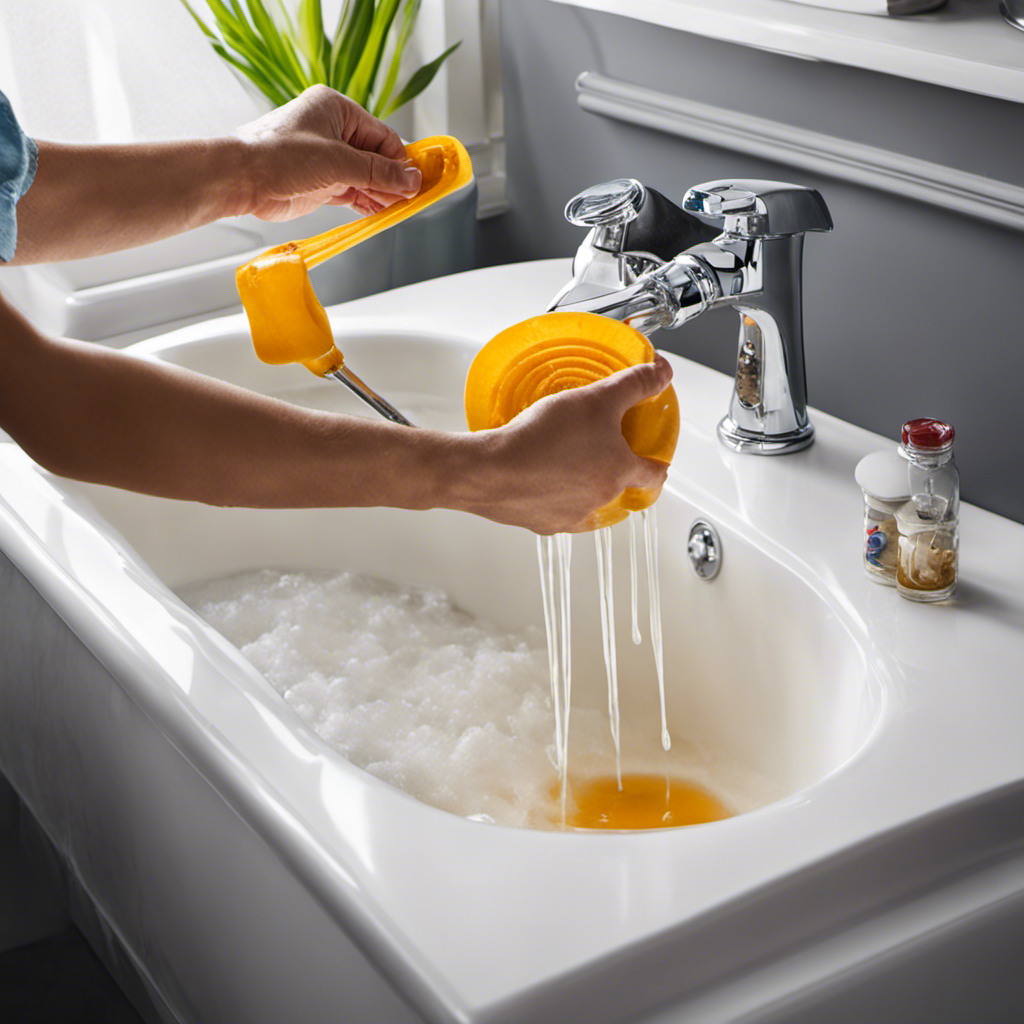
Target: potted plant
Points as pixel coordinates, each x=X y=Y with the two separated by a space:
x=286 y=54
x=283 y=50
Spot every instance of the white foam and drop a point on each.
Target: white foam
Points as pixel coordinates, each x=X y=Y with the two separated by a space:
x=423 y=695
x=402 y=683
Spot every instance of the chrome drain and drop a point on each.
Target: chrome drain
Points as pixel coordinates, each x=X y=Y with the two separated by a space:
x=705 y=550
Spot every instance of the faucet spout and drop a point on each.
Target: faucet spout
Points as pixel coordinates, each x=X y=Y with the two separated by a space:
x=665 y=297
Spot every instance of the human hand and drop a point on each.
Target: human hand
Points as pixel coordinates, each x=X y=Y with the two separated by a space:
x=321 y=148
x=565 y=457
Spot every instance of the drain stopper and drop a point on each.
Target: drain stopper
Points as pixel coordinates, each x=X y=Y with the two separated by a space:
x=705 y=550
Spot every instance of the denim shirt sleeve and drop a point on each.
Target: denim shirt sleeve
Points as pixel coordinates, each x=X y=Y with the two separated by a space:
x=18 y=157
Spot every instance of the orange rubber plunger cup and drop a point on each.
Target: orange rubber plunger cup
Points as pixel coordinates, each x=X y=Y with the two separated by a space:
x=556 y=352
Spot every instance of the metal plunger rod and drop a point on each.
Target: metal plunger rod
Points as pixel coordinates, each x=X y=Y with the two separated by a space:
x=368 y=395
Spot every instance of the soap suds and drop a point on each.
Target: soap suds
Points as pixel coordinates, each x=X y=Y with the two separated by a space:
x=419 y=693
x=401 y=682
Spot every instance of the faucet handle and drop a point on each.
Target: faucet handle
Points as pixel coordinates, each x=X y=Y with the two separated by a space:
x=627 y=216
x=609 y=204
x=753 y=208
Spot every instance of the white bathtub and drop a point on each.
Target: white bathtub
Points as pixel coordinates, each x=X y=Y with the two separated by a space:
x=248 y=873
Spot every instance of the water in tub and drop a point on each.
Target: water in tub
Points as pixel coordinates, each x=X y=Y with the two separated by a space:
x=458 y=713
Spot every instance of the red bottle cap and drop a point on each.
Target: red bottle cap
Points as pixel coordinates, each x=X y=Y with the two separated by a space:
x=927 y=433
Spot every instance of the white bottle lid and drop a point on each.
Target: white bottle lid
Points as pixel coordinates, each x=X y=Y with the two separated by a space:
x=883 y=475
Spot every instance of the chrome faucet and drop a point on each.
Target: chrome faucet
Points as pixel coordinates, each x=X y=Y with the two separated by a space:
x=734 y=243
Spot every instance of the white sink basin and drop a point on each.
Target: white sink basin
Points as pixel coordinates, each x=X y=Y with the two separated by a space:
x=877 y=741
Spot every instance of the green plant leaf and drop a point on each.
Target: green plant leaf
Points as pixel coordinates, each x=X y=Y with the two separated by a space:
x=266 y=87
x=336 y=51
x=311 y=38
x=289 y=25
x=203 y=27
x=365 y=73
x=412 y=8
x=352 y=42
x=283 y=57
x=278 y=47
x=292 y=39
x=224 y=16
x=264 y=25
x=246 y=45
x=418 y=82
x=306 y=79
x=238 y=34
x=253 y=52
x=342 y=17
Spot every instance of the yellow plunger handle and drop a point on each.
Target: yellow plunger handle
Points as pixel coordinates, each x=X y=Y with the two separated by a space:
x=287 y=321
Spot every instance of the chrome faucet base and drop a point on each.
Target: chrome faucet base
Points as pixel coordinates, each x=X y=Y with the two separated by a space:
x=740 y=440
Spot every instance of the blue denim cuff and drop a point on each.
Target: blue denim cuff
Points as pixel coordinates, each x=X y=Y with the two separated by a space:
x=18 y=159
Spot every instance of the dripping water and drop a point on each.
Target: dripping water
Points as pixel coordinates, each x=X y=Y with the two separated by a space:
x=603 y=545
x=650 y=523
x=564 y=546
x=637 y=638
x=554 y=559
x=546 y=565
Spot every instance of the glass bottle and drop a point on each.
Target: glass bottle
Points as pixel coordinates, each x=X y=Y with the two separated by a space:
x=929 y=523
x=883 y=479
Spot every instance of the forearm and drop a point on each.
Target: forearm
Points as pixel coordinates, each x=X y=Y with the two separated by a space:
x=107 y=417
x=103 y=416
x=319 y=148
x=90 y=199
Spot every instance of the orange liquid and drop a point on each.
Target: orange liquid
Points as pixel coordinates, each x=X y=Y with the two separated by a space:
x=645 y=801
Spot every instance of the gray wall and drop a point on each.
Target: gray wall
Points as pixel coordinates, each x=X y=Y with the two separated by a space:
x=909 y=310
